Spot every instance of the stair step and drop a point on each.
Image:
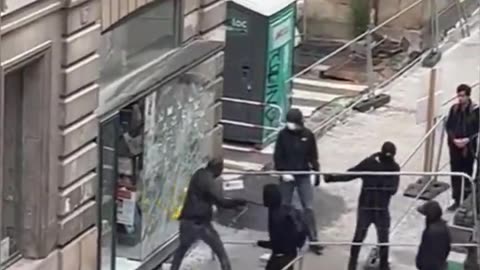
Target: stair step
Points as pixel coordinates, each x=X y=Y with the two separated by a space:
x=242 y=165
x=329 y=87
x=311 y=98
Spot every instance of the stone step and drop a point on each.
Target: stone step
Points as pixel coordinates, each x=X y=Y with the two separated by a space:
x=242 y=165
x=311 y=98
x=328 y=87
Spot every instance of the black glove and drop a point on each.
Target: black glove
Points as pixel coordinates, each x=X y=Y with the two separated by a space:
x=328 y=178
x=317 y=180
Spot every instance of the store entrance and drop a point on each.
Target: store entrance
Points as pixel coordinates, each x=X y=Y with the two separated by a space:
x=120 y=212
x=149 y=150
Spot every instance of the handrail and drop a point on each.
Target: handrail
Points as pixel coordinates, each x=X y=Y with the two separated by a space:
x=355 y=103
x=346 y=243
x=300 y=257
x=351 y=42
x=428 y=134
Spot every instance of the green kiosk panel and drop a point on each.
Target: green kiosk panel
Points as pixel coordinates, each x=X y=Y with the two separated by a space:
x=258 y=62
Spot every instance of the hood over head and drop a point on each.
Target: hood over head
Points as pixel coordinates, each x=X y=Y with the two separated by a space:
x=431 y=210
x=272 y=196
x=295 y=116
x=215 y=166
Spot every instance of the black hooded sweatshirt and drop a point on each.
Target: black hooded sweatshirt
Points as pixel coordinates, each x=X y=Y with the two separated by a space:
x=296 y=150
x=202 y=195
x=377 y=190
x=436 y=240
x=280 y=226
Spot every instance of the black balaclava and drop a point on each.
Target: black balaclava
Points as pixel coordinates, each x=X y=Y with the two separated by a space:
x=388 y=152
x=272 y=198
x=216 y=167
x=295 y=116
x=431 y=210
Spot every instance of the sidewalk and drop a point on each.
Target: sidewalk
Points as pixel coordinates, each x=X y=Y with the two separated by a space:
x=347 y=144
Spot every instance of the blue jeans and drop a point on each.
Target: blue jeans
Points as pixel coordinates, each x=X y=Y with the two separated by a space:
x=305 y=191
x=190 y=232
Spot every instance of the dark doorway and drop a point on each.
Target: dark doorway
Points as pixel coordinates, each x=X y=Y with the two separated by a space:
x=12 y=165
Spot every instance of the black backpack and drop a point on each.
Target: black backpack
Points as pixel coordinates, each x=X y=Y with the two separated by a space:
x=299 y=226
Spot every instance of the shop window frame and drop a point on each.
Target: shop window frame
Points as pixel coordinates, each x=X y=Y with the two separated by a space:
x=38 y=216
x=178 y=20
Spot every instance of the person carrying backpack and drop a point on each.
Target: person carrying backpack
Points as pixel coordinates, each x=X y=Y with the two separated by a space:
x=286 y=228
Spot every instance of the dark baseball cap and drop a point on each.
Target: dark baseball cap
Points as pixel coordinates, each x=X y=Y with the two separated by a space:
x=389 y=149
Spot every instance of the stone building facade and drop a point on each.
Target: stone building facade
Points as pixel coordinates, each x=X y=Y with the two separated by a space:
x=333 y=18
x=55 y=100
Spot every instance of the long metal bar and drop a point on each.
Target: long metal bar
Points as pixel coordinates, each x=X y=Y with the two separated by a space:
x=351 y=42
x=460 y=174
x=421 y=142
x=346 y=243
x=405 y=173
x=349 y=108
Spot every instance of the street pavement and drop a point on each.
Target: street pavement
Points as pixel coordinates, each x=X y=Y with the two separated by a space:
x=341 y=148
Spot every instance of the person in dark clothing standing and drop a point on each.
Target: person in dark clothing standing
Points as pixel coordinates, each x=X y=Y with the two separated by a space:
x=280 y=229
x=436 y=240
x=296 y=150
x=197 y=213
x=374 y=200
x=462 y=129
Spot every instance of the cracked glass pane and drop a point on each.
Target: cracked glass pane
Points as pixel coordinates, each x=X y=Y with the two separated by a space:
x=175 y=125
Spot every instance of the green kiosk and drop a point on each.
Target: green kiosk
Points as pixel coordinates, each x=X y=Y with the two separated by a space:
x=258 y=62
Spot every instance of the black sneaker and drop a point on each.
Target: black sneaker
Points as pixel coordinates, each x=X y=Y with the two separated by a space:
x=316 y=249
x=453 y=207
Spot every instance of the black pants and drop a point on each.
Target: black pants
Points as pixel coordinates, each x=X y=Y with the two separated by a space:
x=381 y=220
x=278 y=262
x=464 y=164
x=190 y=232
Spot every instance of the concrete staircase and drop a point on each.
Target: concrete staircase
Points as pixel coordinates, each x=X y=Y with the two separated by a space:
x=310 y=94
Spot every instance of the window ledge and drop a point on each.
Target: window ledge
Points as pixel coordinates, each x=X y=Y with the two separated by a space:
x=142 y=81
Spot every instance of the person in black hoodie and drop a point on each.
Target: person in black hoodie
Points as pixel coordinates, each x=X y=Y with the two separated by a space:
x=436 y=240
x=280 y=229
x=296 y=150
x=462 y=128
x=374 y=200
x=197 y=214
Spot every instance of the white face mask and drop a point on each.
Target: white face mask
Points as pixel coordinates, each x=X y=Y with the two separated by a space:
x=291 y=126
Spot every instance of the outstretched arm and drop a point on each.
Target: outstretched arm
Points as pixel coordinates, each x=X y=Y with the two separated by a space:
x=362 y=166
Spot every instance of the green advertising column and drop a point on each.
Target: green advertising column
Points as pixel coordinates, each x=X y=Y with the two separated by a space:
x=281 y=38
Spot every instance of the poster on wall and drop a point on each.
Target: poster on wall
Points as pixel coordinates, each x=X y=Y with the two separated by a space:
x=279 y=69
x=126 y=200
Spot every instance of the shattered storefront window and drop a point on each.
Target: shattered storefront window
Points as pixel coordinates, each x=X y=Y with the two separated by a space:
x=162 y=142
x=174 y=129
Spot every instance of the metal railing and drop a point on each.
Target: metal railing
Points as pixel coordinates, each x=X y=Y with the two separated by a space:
x=373 y=87
x=274 y=130
x=430 y=133
x=394 y=229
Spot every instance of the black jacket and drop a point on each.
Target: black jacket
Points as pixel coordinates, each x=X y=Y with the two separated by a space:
x=436 y=240
x=463 y=123
x=201 y=196
x=296 y=151
x=280 y=227
x=376 y=190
